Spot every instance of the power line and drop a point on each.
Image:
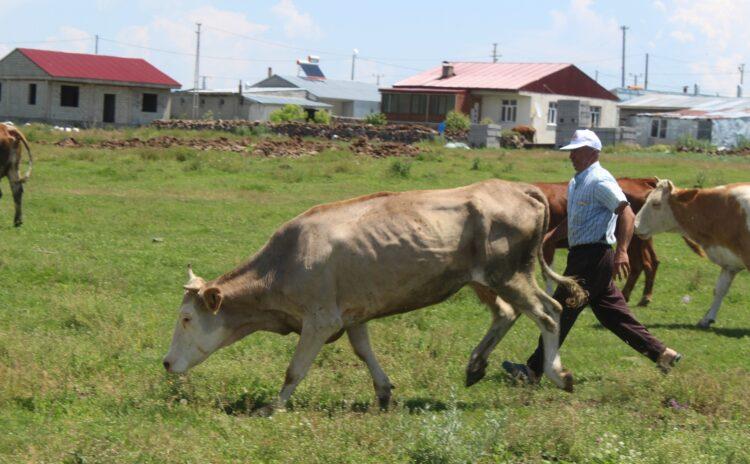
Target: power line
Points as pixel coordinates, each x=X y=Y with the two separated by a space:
x=278 y=44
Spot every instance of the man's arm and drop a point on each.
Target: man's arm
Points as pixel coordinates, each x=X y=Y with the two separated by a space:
x=623 y=233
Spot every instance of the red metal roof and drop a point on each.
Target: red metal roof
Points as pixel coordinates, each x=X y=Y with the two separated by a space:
x=98 y=67
x=557 y=78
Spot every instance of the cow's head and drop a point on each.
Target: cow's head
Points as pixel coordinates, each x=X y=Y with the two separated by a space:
x=200 y=328
x=656 y=215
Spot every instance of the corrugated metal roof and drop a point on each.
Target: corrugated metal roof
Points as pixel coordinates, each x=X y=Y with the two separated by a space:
x=715 y=108
x=336 y=89
x=98 y=67
x=495 y=76
x=278 y=100
x=670 y=101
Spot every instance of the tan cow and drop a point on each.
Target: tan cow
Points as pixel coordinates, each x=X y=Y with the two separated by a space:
x=10 y=161
x=337 y=266
x=718 y=219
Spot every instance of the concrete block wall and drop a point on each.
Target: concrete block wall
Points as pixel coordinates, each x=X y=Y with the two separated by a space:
x=571 y=115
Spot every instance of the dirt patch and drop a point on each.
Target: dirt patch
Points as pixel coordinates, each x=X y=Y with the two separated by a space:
x=293 y=147
x=162 y=141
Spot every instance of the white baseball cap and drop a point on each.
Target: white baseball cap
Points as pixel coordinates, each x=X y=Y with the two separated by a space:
x=584 y=138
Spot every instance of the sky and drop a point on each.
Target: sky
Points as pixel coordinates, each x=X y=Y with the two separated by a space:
x=688 y=41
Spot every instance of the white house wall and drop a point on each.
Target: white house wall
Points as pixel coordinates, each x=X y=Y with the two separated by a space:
x=729 y=132
x=128 y=103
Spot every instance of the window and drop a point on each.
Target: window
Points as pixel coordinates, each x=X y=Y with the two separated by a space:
x=32 y=94
x=508 y=111
x=659 y=128
x=1 y=91
x=221 y=102
x=596 y=116
x=552 y=113
x=418 y=104
x=441 y=104
x=69 y=96
x=150 y=102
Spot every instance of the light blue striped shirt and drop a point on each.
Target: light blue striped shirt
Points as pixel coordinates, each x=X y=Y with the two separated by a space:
x=593 y=197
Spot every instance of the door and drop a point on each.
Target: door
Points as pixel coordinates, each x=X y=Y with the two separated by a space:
x=109 y=108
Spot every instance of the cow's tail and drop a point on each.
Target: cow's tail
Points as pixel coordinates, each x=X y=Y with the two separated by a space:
x=577 y=296
x=20 y=137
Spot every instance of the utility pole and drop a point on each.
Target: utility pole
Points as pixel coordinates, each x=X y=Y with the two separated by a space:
x=203 y=83
x=197 y=69
x=355 y=52
x=377 y=78
x=645 y=77
x=741 y=69
x=635 y=78
x=96 y=44
x=495 y=56
x=624 y=28
x=596 y=75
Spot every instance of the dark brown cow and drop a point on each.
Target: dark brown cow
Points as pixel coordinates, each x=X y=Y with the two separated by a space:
x=10 y=162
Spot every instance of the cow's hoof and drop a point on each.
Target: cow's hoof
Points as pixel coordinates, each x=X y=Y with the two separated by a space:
x=17 y=223
x=567 y=381
x=705 y=323
x=475 y=376
x=384 y=398
x=644 y=302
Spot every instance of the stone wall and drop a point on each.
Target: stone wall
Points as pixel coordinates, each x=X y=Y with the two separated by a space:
x=406 y=133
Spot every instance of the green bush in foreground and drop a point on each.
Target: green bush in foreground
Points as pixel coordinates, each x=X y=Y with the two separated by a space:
x=322 y=117
x=455 y=121
x=288 y=113
x=376 y=119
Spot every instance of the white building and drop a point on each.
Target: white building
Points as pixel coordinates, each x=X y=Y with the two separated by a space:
x=82 y=89
x=509 y=94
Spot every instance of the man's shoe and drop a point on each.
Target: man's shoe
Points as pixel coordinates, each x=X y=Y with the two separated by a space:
x=520 y=372
x=667 y=360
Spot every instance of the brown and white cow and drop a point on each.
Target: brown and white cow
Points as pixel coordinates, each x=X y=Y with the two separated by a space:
x=337 y=266
x=10 y=161
x=718 y=219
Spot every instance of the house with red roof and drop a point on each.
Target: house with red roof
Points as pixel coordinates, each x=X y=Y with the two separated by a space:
x=82 y=89
x=509 y=94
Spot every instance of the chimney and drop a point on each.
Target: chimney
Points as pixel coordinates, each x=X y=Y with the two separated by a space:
x=739 y=91
x=447 y=70
x=696 y=90
x=684 y=89
x=270 y=71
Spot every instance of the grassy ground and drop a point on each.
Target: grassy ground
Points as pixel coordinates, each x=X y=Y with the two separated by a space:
x=89 y=299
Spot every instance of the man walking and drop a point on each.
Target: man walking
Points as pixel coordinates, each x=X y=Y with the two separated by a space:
x=598 y=216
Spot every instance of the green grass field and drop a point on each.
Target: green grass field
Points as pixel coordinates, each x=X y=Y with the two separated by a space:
x=88 y=300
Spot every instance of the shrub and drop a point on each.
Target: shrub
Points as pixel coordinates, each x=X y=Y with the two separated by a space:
x=455 y=121
x=288 y=113
x=688 y=143
x=208 y=115
x=400 y=168
x=486 y=121
x=322 y=117
x=376 y=119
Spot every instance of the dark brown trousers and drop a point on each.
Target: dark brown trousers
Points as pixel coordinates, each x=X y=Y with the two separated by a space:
x=593 y=265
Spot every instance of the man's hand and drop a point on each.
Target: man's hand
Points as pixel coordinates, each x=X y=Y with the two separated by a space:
x=622 y=264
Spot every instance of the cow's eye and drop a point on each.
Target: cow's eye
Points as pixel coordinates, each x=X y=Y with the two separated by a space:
x=185 y=320
x=657 y=204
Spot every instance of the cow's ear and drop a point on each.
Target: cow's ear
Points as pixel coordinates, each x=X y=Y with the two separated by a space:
x=670 y=186
x=212 y=297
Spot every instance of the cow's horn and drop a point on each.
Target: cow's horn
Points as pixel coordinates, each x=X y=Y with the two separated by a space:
x=191 y=275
